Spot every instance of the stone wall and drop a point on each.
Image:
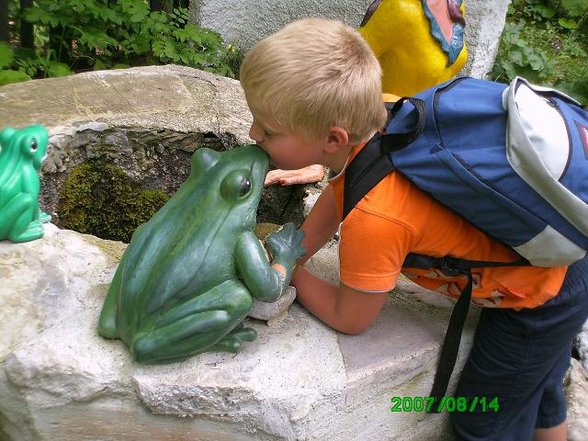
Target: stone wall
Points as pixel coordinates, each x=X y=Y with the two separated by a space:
x=299 y=380
x=148 y=121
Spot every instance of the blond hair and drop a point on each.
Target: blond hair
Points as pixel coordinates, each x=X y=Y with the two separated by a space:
x=314 y=74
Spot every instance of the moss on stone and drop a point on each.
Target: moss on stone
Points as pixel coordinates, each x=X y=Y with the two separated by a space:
x=99 y=198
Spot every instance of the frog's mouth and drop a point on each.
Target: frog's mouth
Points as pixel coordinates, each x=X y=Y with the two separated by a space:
x=261 y=159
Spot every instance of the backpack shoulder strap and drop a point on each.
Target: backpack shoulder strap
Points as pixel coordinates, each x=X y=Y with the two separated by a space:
x=363 y=173
x=374 y=161
x=396 y=141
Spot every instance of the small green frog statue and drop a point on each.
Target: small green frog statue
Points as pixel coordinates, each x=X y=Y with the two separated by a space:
x=21 y=154
x=188 y=278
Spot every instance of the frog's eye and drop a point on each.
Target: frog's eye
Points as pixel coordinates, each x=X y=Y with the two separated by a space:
x=245 y=187
x=34 y=146
x=236 y=185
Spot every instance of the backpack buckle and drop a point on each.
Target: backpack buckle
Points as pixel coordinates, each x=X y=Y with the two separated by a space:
x=451 y=267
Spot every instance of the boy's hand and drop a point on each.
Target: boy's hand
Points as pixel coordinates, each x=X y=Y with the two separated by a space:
x=306 y=175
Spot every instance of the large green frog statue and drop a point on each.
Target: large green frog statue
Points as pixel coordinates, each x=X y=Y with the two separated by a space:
x=189 y=275
x=21 y=154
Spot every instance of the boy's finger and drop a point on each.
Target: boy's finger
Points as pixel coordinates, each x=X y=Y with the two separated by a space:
x=306 y=175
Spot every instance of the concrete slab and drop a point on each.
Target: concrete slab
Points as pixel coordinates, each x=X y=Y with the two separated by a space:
x=398 y=336
x=299 y=380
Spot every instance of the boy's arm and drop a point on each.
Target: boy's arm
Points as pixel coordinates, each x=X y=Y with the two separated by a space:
x=343 y=308
x=321 y=223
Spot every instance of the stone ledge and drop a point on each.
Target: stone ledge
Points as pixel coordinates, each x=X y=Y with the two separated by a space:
x=175 y=98
x=298 y=380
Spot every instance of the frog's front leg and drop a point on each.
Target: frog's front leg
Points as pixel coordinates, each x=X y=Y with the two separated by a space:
x=19 y=221
x=268 y=282
x=208 y=322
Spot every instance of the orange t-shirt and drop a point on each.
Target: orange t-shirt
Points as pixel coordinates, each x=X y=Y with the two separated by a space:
x=396 y=218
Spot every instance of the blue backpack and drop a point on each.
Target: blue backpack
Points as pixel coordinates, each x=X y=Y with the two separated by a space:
x=511 y=159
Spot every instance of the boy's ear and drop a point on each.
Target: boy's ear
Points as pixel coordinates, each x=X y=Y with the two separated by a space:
x=338 y=138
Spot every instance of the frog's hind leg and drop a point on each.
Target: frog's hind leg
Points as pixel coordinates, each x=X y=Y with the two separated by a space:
x=107 y=322
x=25 y=226
x=197 y=325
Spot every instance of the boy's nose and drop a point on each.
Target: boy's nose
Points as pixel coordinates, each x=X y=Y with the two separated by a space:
x=255 y=133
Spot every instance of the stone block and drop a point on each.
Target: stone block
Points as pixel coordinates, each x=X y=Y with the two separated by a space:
x=268 y=311
x=298 y=380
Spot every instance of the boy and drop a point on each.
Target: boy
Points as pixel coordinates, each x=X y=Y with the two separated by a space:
x=315 y=94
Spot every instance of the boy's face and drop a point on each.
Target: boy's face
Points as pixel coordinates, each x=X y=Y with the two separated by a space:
x=287 y=150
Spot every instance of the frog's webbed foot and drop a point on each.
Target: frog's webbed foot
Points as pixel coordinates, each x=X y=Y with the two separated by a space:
x=192 y=335
x=44 y=217
x=232 y=341
x=33 y=231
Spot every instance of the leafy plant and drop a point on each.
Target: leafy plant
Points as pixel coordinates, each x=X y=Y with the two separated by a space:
x=77 y=35
x=22 y=64
x=7 y=75
x=545 y=42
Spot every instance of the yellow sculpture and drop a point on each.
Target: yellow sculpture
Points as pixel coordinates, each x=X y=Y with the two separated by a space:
x=419 y=43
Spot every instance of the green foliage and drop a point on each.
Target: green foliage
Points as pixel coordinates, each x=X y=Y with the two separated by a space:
x=22 y=65
x=78 y=35
x=545 y=42
x=6 y=55
x=7 y=74
x=100 y=199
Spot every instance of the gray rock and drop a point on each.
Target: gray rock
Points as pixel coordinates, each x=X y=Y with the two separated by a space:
x=268 y=311
x=484 y=24
x=174 y=98
x=581 y=344
x=577 y=396
x=147 y=120
x=244 y=22
x=299 y=380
